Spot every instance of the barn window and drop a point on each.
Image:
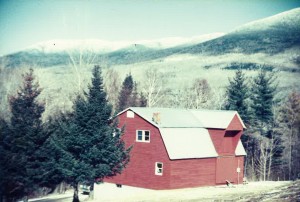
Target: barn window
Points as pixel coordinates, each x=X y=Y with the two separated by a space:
x=143 y=136
x=130 y=114
x=158 y=168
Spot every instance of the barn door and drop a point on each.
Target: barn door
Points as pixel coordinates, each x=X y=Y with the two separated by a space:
x=226 y=169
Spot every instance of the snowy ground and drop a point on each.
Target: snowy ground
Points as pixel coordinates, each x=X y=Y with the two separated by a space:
x=254 y=191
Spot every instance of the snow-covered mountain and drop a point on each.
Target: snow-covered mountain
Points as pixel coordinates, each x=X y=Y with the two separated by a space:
x=289 y=18
x=277 y=34
x=102 y=46
x=271 y=35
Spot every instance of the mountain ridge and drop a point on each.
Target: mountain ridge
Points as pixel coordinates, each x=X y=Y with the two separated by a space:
x=271 y=36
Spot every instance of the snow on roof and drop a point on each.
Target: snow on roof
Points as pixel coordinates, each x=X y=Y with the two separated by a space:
x=240 y=151
x=184 y=130
x=169 y=117
x=183 y=143
x=187 y=118
x=215 y=118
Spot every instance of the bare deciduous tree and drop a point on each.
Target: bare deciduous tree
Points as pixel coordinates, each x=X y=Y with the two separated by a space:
x=80 y=59
x=153 y=86
x=198 y=95
x=112 y=83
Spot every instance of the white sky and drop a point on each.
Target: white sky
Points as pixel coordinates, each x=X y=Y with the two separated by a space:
x=27 y=22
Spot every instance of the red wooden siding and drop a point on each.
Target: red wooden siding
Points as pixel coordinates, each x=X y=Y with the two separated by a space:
x=217 y=137
x=140 y=171
x=227 y=169
x=193 y=173
x=235 y=124
x=225 y=141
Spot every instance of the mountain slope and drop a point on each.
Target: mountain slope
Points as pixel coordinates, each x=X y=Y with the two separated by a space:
x=274 y=35
x=270 y=35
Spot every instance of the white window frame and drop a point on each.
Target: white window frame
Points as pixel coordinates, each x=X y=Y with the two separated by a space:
x=143 y=136
x=130 y=114
x=159 y=171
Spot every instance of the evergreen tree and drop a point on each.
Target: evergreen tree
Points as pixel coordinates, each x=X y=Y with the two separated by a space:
x=4 y=131
x=134 y=100
x=142 y=100
x=53 y=158
x=129 y=96
x=92 y=140
x=125 y=96
x=262 y=96
x=24 y=140
x=237 y=95
x=266 y=143
x=289 y=126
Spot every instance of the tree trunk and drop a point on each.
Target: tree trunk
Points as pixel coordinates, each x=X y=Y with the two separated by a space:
x=25 y=199
x=270 y=158
x=91 y=195
x=290 y=156
x=75 y=196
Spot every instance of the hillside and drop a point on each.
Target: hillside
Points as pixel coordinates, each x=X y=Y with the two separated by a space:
x=57 y=52
x=272 y=43
x=271 y=36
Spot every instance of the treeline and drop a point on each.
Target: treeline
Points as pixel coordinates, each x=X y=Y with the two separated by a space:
x=273 y=122
x=79 y=147
x=272 y=137
x=155 y=90
x=70 y=146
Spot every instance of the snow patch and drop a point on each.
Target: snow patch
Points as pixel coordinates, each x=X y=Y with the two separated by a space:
x=104 y=46
x=291 y=17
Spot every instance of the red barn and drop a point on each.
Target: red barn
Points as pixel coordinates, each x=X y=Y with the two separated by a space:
x=179 y=148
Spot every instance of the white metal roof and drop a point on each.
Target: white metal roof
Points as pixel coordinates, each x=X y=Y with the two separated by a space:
x=184 y=131
x=240 y=151
x=188 y=118
x=183 y=143
x=215 y=118
x=169 y=117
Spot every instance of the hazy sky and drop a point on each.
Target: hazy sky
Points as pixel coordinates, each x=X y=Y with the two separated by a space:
x=27 y=22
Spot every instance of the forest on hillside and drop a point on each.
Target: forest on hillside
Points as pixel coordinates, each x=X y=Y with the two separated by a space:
x=41 y=135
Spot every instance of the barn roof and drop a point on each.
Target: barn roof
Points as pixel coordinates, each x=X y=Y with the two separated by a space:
x=240 y=150
x=187 y=118
x=184 y=131
x=183 y=143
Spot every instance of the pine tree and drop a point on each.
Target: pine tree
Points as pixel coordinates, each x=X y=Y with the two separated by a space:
x=262 y=96
x=24 y=140
x=125 y=96
x=142 y=100
x=4 y=131
x=129 y=96
x=266 y=145
x=237 y=95
x=289 y=127
x=94 y=143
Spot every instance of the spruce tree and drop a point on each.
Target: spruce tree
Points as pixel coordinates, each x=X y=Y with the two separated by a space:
x=142 y=100
x=267 y=143
x=125 y=96
x=289 y=126
x=4 y=131
x=237 y=95
x=92 y=139
x=262 y=95
x=24 y=140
